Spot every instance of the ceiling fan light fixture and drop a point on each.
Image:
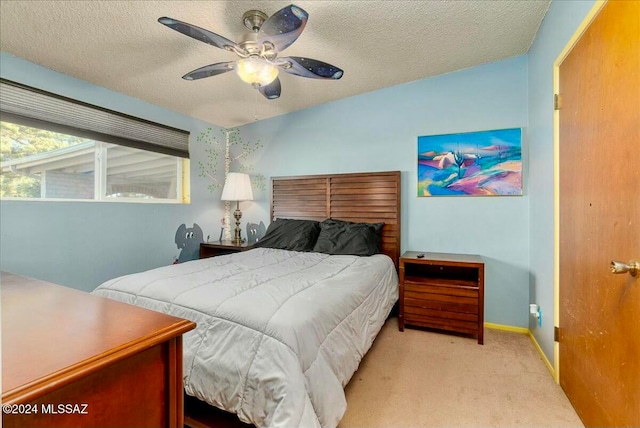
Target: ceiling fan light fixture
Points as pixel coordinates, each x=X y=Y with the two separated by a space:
x=256 y=71
x=259 y=62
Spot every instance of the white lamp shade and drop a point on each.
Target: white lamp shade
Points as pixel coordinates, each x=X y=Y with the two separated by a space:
x=237 y=187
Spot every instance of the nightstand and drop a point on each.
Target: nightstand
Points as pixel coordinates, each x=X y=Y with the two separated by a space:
x=220 y=248
x=442 y=291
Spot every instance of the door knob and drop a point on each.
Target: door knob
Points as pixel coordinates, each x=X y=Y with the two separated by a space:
x=633 y=267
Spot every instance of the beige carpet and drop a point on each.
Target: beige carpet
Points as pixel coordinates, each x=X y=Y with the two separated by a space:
x=420 y=378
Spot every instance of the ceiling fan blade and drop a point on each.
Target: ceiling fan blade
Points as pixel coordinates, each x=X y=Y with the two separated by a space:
x=272 y=90
x=283 y=27
x=199 y=33
x=307 y=67
x=210 y=70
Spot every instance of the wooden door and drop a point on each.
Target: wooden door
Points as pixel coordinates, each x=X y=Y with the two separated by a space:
x=599 y=138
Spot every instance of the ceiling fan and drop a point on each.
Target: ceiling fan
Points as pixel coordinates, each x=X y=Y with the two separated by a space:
x=259 y=63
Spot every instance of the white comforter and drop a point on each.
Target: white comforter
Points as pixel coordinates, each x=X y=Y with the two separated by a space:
x=279 y=333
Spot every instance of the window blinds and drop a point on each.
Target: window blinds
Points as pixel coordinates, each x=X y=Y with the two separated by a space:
x=33 y=107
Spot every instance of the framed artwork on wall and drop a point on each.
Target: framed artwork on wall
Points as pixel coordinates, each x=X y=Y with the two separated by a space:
x=484 y=163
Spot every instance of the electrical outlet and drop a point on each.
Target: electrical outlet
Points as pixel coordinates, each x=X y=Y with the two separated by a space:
x=534 y=310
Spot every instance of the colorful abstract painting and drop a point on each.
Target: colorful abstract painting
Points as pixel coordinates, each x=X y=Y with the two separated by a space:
x=484 y=163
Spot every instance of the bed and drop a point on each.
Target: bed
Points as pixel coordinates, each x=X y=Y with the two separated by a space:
x=280 y=332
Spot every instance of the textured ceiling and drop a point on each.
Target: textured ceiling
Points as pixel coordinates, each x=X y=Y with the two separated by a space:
x=120 y=45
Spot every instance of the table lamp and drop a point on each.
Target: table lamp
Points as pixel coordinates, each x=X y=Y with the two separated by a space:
x=237 y=188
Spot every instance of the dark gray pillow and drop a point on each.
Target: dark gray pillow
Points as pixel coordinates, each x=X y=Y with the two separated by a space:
x=290 y=234
x=347 y=238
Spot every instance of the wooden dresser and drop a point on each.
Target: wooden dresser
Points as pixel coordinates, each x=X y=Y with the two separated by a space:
x=73 y=359
x=442 y=291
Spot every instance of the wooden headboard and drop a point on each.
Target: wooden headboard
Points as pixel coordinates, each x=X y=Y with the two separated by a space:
x=370 y=197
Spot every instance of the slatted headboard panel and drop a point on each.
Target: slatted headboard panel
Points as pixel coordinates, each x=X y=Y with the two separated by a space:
x=370 y=197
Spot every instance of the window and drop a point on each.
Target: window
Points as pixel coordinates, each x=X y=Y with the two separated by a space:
x=37 y=163
x=134 y=173
x=53 y=147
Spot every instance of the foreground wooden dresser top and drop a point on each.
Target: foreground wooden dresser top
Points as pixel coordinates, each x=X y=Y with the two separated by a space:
x=55 y=337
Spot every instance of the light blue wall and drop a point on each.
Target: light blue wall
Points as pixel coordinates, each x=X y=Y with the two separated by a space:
x=378 y=131
x=558 y=26
x=82 y=244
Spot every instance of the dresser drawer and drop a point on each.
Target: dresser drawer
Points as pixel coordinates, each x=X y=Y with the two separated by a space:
x=441 y=299
x=441 y=289
x=428 y=311
x=436 y=305
x=442 y=323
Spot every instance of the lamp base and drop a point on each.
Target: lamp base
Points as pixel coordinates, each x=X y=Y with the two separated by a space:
x=237 y=214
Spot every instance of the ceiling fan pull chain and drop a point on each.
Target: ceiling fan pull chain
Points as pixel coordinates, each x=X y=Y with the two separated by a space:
x=255 y=114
